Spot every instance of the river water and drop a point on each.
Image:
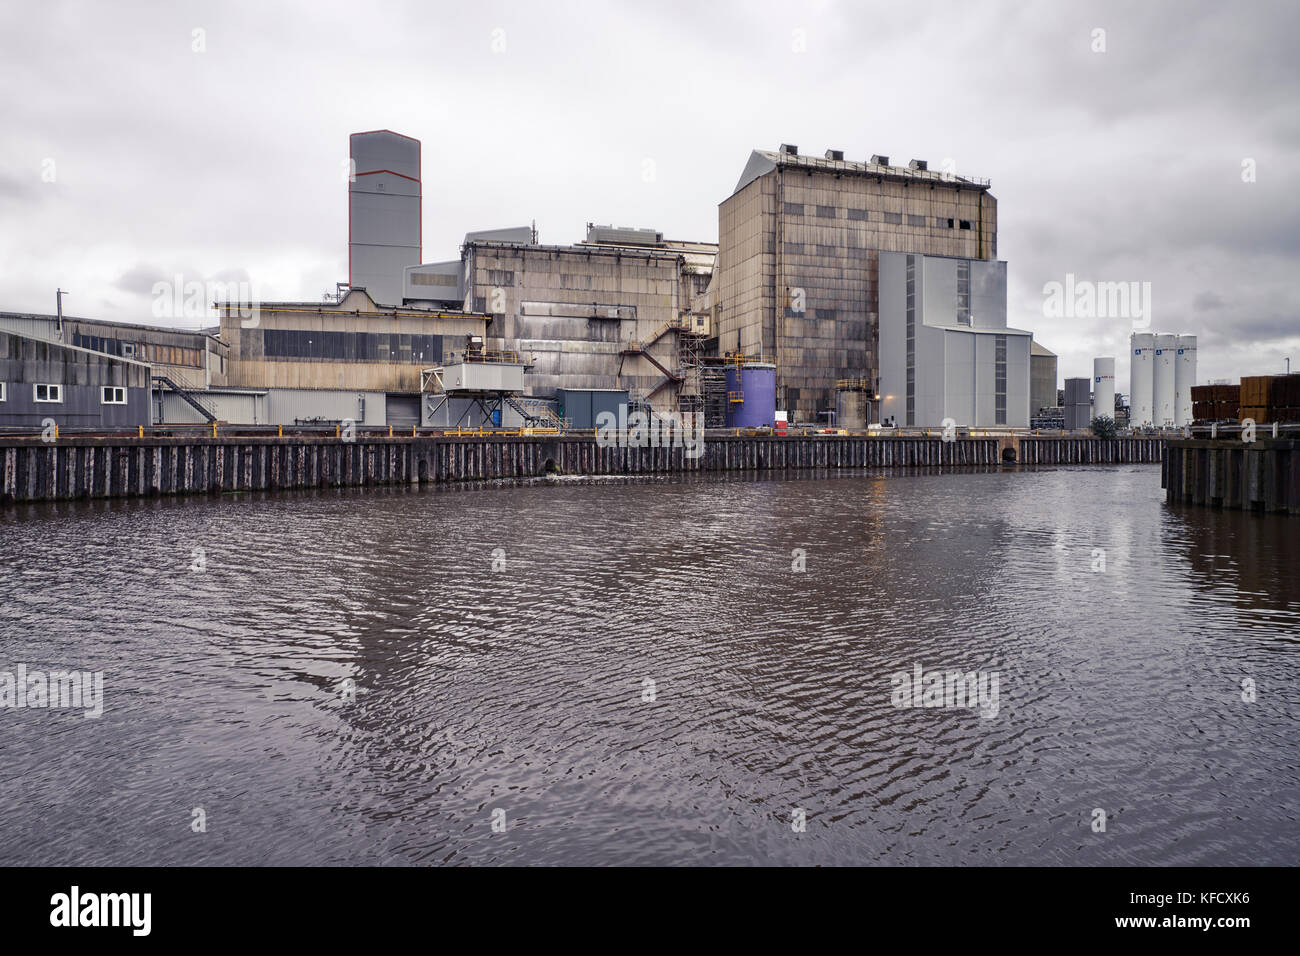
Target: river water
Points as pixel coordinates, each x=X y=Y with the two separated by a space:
x=662 y=671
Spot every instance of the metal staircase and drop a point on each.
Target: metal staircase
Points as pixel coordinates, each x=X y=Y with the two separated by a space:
x=536 y=413
x=186 y=394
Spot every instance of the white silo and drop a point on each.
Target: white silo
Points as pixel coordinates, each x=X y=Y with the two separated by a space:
x=1141 y=377
x=1184 y=379
x=1162 y=412
x=1103 y=387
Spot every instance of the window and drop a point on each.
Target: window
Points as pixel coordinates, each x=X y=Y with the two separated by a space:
x=915 y=220
x=826 y=212
x=894 y=217
x=943 y=223
x=965 y=224
x=112 y=395
x=1000 y=380
x=794 y=209
x=858 y=215
x=963 y=292
x=910 y=418
x=128 y=350
x=48 y=393
x=4 y=396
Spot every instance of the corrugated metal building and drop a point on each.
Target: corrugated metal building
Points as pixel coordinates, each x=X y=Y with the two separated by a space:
x=74 y=387
x=797 y=269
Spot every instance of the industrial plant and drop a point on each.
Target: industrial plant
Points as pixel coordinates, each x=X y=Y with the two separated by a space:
x=842 y=294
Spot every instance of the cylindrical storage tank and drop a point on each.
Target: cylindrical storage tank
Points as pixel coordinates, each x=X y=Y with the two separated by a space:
x=1184 y=379
x=1141 y=378
x=751 y=395
x=1162 y=412
x=1103 y=387
x=851 y=409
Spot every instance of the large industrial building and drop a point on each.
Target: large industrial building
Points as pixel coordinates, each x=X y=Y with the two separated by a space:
x=840 y=290
x=799 y=241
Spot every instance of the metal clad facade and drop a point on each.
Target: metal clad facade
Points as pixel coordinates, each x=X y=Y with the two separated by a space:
x=384 y=213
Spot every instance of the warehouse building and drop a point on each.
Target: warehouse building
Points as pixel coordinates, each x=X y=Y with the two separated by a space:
x=351 y=359
x=799 y=241
x=611 y=312
x=945 y=349
x=43 y=381
x=191 y=358
x=1042 y=379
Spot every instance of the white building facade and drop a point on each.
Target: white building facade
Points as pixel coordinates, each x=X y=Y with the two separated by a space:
x=945 y=349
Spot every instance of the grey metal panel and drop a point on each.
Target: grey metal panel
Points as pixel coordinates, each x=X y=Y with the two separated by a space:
x=248 y=408
x=483 y=377
x=403 y=410
x=383 y=213
x=621 y=235
x=82 y=407
x=1078 y=391
x=287 y=405
x=523 y=235
x=758 y=165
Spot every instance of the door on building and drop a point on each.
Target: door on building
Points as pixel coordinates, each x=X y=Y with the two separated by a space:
x=403 y=410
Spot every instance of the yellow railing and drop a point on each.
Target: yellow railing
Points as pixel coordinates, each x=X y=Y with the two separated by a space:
x=736 y=398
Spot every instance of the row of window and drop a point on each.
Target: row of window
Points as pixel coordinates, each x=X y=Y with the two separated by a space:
x=862 y=215
x=140 y=351
x=49 y=393
x=351 y=346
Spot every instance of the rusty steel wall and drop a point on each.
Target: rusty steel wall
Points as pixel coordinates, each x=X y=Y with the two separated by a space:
x=31 y=470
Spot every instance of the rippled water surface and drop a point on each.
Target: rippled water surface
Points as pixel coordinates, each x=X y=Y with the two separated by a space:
x=647 y=680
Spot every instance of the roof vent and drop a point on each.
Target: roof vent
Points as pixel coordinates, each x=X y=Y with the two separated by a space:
x=878 y=160
x=789 y=150
x=918 y=164
x=835 y=154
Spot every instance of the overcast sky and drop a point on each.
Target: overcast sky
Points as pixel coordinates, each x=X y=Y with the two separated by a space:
x=129 y=157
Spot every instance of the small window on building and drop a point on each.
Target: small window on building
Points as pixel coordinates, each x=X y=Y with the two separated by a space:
x=895 y=217
x=4 y=396
x=916 y=220
x=48 y=393
x=128 y=350
x=826 y=212
x=113 y=395
x=858 y=215
x=794 y=209
x=965 y=224
x=943 y=223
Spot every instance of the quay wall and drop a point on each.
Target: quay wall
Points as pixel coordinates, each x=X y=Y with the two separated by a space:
x=1263 y=475
x=97 y=467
